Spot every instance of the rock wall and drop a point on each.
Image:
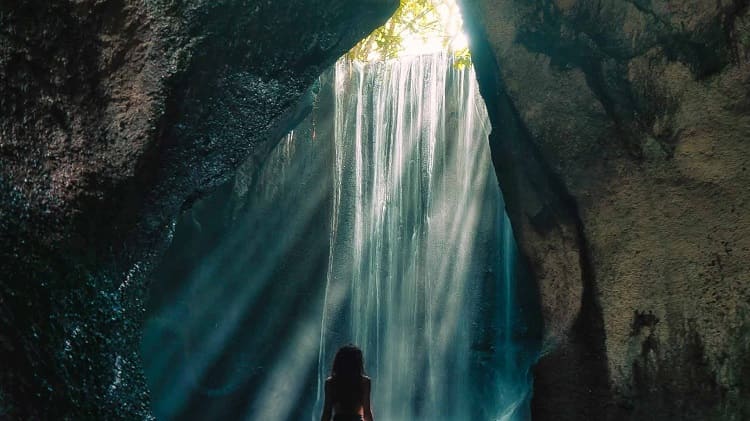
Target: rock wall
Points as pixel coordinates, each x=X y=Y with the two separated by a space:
x=620 y=142
x=114 y=114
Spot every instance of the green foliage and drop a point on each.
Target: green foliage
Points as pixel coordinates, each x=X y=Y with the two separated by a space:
x=462 y=58
x=413 y=18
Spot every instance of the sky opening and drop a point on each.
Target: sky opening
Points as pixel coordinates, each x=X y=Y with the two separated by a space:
x=417 y=27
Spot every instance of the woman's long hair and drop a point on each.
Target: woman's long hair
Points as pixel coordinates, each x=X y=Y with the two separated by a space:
x=347 y=372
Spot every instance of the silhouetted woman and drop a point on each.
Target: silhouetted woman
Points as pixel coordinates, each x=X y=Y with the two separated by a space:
x=348 y=389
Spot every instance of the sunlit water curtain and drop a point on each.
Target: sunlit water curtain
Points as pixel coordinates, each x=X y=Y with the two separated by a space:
x=421 y=265
x=377 y=221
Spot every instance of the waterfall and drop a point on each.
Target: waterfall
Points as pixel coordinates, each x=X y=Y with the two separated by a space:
x=378 y=220
x=421 y=261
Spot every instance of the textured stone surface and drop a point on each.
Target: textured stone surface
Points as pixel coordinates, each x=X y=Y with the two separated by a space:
x=621 y=141
x=113 y=115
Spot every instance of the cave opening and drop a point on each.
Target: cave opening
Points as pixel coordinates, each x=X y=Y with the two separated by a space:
x=377 y=219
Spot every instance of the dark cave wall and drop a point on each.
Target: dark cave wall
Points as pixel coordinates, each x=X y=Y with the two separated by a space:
x=113 y=114
x=620 y=142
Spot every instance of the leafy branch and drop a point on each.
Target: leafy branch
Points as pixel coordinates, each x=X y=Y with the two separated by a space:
x=413 y=17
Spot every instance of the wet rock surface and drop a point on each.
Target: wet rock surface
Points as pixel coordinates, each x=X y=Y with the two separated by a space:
x=114 y=115
x=620 y=142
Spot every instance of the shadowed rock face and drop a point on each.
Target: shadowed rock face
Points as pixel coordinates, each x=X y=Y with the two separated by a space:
x=115 y=113
x=620 y=142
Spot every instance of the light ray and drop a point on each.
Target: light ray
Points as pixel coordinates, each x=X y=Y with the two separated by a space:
x=402 y=227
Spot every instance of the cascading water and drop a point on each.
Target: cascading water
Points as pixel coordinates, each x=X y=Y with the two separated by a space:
x=380 y=217
x=421 y=262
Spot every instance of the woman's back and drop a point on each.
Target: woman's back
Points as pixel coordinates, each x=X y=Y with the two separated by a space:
x=348 y=397
x=347 y=391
